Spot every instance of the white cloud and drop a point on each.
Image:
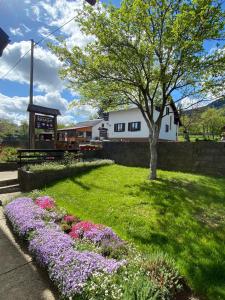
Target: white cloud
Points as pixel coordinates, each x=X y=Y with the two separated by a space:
x=16 y=31
x=44 y=32
x=15 y=108
x=58 y=13
x=46 y=66
x=26 y=29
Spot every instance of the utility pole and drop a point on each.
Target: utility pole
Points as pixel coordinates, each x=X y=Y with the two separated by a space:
x=31 y=114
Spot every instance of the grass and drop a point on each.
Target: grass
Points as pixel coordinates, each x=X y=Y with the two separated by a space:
x=180 y=214
x=199 y=137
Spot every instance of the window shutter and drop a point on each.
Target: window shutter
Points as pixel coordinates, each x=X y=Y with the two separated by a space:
x=115 y=127
x=129 y=126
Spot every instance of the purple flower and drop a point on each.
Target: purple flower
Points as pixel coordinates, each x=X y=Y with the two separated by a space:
x=97 y=235
x=25 y=215
x=53 y=249
x=68 y=268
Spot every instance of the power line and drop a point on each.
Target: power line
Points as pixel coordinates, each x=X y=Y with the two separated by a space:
x=38 y=42
x=15 y=65
x=51 y=33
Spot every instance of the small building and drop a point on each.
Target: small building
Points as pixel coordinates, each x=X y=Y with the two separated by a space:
x=129 y=125
x=121 y=125
x=80 y=133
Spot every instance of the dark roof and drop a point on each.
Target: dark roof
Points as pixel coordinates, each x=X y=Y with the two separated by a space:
x=4 y=40
x=176 y=114
x=85 y=124
x=43 y=110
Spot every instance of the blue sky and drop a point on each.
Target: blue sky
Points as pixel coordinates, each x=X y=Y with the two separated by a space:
x=26 y=19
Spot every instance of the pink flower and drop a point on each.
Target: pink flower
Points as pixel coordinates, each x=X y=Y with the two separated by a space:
x=45 y=202
x=80 y=228
x=70 y=219
x=74 y=235
x=83 y=226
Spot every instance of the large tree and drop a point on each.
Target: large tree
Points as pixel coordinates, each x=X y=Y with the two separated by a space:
x=142 y=53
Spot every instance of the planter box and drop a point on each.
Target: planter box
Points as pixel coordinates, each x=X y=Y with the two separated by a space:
x=34 y=180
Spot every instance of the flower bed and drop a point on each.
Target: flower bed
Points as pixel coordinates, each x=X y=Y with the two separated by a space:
x=88 y=260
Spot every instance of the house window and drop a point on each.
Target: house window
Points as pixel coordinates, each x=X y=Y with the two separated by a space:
x=167 y=110
x=103 y=125
x=119 y=127
x=171 y=119
x=80 y=134
x=88 y=134
x=134 y=126
x=167 y=128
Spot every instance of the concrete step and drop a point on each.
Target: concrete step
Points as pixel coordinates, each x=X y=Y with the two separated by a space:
x=8 y=182
x=10 y=189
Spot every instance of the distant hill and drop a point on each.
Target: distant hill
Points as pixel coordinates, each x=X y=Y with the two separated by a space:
x=217 y=104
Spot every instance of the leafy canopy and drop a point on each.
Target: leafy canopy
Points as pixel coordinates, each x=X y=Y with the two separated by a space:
x=143 y=51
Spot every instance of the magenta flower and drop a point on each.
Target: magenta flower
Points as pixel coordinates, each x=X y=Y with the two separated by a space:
x=80 y=228
x=45 y=202
x=70 y=219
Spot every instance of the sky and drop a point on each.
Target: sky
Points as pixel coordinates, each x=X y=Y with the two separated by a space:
x=24 y=20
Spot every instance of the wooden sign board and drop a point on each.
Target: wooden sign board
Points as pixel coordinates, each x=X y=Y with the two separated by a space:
x=43 y=122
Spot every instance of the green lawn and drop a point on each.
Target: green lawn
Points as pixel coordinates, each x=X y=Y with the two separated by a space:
x=198 y=137
x=181 y=214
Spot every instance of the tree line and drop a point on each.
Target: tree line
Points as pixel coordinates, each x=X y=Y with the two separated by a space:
x=209 y=123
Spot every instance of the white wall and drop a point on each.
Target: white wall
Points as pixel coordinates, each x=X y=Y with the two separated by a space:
x=95 y=131
x=134 y=115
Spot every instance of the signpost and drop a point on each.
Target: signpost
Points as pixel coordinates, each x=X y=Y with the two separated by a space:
x=43 y=118
x=43 y=122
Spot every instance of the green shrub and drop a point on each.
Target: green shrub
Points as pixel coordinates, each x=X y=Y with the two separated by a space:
x=113 y=249
x=8 y=153
x=164 y=275
x=70 y=158
x=54 y=166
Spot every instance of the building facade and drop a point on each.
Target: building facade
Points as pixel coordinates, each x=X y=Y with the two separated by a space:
x=121 y=125
x=129 y=125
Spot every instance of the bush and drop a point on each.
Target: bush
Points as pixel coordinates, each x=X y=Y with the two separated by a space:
x=54 y=166
x=8 y=153
x=164 y=275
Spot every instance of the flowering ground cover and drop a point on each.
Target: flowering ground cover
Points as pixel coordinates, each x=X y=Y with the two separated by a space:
x=180 y=214
x=87 y=260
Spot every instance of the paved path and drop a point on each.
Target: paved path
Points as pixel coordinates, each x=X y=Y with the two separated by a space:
x=20 y=278
x=8 y=175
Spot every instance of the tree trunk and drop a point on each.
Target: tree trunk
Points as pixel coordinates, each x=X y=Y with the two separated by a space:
x=153 y=139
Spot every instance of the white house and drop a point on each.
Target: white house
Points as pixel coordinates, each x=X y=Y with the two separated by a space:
x=129 y=125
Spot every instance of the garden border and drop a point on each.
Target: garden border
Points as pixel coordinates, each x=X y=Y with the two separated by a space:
x=29 y=181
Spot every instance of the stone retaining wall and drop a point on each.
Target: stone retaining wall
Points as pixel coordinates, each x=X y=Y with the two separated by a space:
x=197 y=157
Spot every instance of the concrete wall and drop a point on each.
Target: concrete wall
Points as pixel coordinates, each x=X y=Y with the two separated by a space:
x=199 y=157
